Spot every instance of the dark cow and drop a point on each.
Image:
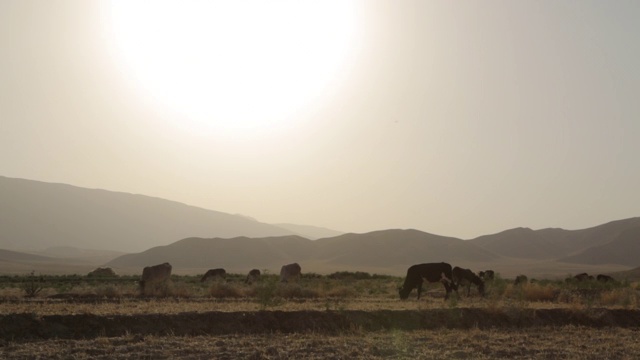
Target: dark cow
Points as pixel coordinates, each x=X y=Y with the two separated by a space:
x=583 y=277
x=486 y=275
x=290 y=272
x=431 y=272
x=605 y=278
x=155 y=275
x=254 y=275
x=521 y=279
x=467 y=277
x=214 y=274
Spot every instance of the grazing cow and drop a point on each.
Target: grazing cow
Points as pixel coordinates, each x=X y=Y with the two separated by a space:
x=431 y=272
x=214 y=274
x=254 y=275
x=291 y=271
x=583 y=277
x=101 y=272
x=605 y=278
x=521 y=279
x=486 y=275
x=467 y=277
x=154 y=275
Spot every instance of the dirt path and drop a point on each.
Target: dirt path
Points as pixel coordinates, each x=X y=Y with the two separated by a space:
x=569 y=342
x=86 y=326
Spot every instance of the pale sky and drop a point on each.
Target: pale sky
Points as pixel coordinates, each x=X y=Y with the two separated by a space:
x=458 y=118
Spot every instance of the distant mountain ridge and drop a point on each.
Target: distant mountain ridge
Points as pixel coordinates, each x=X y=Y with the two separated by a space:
x=394 y=250
x=310 y=232
x=379 y=249
x=385 y=251
x=615 y=242
x=37 y=215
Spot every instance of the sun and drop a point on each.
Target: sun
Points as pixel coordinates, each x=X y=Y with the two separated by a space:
x=234 y=66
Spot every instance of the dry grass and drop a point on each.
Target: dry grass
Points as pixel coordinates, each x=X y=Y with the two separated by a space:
x=538 y=292
x=223 y=290
x=313 y=293
x=567 y=342
x=626 y=298
x=187 y=295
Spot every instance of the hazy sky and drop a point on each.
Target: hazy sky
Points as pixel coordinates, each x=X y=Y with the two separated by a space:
x=459 y=118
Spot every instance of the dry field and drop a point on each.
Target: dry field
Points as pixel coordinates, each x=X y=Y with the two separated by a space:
x=567 y=342
x=346 y=317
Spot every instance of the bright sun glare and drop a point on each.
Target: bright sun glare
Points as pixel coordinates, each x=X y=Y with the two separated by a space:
x=234 y=66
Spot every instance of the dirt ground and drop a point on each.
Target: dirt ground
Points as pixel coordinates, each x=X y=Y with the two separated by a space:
x=376 y=327
x=567 y=342
x=28 y=327
x=445 y=333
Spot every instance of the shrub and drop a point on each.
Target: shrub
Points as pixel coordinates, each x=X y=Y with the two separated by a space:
x=159 y=289
x=358 y=275
x=225 y=290
x=33 y=285
x=291 y=291
x=109 y=291
x=266 y=293
x=538 y=292
x=624 y=297
x=340 y=292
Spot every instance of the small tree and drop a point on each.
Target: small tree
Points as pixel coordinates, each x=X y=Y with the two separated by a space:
x=33 y=285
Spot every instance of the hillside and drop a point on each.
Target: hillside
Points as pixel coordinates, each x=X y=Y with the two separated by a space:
x=623 y=250
x=86 y=227
x=630 y=275
x=36 y=215
x=16 y=256
x=240 y=252
x=389 y=249
x=310 y=232
x=526 y=243
x=540 y=252
x=602 y=244
x=398 y=247
x=20 y=263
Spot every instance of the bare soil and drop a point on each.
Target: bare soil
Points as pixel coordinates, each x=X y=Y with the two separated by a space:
x=20 y=327
x=568 y=342
x=74 y=326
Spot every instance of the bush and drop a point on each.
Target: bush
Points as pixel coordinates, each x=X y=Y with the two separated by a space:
x=358 y=275
x=624 y=297
x=291 y=291
x=340 y=292
x=224 y=290
x=158 y=289
x=33 y=285
x=266 y=293
x=538 y=292
x=109 y=291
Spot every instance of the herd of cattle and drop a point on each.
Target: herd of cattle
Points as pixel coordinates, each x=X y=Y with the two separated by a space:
x=442 y=272
x=162 y=272
x=451 y=278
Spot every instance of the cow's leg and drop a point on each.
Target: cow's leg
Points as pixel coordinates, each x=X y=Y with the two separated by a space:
x=447 y=288
x=419 y=289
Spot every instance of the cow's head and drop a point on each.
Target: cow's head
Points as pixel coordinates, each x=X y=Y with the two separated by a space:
x=404 y=292
x=481 y=288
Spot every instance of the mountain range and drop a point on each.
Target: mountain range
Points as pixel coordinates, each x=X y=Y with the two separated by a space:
x=545 y=253
x=65 y=219
x=37 y=215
